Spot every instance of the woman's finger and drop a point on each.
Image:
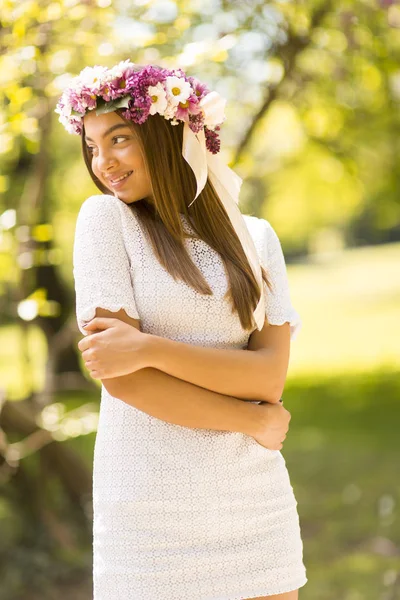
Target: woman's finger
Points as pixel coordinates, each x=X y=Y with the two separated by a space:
x=86 y=354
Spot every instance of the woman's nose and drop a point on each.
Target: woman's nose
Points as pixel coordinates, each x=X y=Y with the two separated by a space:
x=105 y=160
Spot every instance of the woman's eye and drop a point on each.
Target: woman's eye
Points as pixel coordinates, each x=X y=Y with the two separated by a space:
x=118 y=138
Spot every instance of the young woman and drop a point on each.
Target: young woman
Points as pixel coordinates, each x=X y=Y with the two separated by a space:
x=185 y=308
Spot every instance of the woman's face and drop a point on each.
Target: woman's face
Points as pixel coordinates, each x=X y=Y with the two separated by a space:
x=117 y=160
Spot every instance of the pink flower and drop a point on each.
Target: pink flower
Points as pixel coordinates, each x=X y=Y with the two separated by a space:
x=105 y=92
x=118 y=87
x=88 y=98
x=200 y=89
x=190 y=106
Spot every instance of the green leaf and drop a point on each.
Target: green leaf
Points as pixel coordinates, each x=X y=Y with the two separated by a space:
x=113 y=105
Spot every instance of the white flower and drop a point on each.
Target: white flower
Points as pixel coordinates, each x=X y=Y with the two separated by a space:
x=213 y=106
x=178 y=90
x=70 y=127
x=91 y=77
x=68 y=123
x=158 y=98
x=170 y=110
x=67 y=107
x=119 y=69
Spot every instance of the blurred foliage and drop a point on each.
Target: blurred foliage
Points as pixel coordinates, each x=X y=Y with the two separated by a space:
x=312 y=126
x=313 y=100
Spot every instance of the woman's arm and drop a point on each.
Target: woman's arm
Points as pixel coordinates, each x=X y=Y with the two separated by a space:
x=156 y=393
x=256 y=373
x=181 y=403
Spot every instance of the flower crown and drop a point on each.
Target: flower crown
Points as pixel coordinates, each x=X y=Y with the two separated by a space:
x=150 y=90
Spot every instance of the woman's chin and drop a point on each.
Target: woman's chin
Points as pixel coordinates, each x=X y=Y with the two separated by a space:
x=130 y=198
x=125 y=196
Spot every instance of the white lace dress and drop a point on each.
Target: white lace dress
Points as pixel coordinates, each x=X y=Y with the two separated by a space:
x=180 y=513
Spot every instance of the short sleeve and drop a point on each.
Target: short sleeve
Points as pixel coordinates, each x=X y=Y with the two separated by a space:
x=101 y=265
x=279 y=307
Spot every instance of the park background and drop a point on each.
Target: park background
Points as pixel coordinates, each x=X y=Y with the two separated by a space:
x=313 y=127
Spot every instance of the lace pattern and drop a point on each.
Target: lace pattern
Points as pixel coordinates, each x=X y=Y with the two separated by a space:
x=181 y=513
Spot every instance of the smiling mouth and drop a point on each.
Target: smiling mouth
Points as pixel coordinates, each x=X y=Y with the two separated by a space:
x=114 y=182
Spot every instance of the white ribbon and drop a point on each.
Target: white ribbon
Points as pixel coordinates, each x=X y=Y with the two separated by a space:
x=227 y=185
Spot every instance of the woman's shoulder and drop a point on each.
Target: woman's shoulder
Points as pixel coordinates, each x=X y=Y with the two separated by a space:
x=257 y=224
x=260 y=229
x=106 y=212
x=104 y=204
x=264 y=236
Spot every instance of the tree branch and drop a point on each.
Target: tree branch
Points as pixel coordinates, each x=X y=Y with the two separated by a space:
x=289 y=52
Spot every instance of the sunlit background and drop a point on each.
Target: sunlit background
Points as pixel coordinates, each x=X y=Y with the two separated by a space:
x=313 y=127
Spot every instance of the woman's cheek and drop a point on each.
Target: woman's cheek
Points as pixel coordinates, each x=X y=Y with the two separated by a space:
x=94 y=168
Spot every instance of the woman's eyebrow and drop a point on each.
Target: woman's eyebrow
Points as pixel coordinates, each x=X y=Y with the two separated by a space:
x=110 y=130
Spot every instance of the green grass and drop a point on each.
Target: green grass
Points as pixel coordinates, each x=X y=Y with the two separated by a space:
x=342 y=453
x=350 y=308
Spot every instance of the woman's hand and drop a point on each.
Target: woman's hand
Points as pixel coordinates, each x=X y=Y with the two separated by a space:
x=113 y=348
x=273 y=425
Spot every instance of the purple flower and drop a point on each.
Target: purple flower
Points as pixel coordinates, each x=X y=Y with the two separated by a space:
x=139 y=109
x=213 y=143
x=138 y=82
x=196 y=122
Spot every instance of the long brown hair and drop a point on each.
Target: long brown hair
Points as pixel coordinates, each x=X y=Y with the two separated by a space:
x=174 y=187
